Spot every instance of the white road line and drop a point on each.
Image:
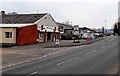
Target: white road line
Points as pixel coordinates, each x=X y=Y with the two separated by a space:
x=67 y=61
x=114 y=70
x=49 y=53
x=27 y=54
x=45 y=56
x=91 y=52
x=34 y=72
x=11 y=65
x=102 y=46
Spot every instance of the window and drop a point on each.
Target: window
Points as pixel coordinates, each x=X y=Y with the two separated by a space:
x=41 y=37
x=8 y=34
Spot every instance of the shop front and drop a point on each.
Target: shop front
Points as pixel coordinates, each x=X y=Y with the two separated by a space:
x=47 y=33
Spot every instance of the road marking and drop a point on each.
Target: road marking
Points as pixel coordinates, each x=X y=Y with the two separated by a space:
x=27 y=54
x=91 y=52
x=45 y=56
x=33 y=59
x=102 y=46
x=114 y=70
x=57 y=52
x=32 y=73
x=21 y=62
x=67 y=61
x=11 y=65
x=53 y=53
x=49 y=53
x=40 y=57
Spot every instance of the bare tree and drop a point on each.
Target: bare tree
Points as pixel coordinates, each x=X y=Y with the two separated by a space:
x=12 y=13
x=67 y=22
x=117 y=27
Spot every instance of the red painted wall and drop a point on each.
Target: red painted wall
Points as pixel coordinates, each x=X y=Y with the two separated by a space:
x=45 y=36
x=27 y=35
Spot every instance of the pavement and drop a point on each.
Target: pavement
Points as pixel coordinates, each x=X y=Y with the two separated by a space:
x=97 y=58
x=20 y=54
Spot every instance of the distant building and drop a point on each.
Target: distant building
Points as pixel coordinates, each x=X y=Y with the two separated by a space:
x=99 y=30
x=86 y=30
x=66 y=30
x=76 y=29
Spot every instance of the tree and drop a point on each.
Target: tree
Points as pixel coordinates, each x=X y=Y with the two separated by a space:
x=67 y=22
x=13 y=13
x=117 y=27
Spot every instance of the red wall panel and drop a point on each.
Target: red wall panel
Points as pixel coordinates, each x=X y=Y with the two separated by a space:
x=45 y=37
x=27 y=35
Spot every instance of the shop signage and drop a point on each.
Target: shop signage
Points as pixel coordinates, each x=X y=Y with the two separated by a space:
x=76 y=32
x=49 y=28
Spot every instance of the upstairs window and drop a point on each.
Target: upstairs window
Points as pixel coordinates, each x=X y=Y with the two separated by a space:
x=8 y=34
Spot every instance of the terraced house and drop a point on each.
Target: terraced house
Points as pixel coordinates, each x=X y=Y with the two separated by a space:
x=20 y=29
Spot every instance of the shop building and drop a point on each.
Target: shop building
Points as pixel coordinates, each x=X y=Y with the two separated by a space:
x=47 y=28
x=18 y=34
x=66 y=30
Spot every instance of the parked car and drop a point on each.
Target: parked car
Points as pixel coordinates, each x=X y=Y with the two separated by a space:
x=66 y=36
x=85 y=35
x=95 y=35
x=88 y=35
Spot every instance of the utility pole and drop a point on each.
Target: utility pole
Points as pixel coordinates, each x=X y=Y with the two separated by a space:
x=105 y=31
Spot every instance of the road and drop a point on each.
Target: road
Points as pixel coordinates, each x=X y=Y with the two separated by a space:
x=98 y=58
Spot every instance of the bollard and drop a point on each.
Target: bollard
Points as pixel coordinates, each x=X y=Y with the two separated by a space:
x=57 y=42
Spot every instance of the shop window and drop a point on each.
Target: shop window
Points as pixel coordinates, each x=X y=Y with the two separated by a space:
x=40 y=37
x=8 y=34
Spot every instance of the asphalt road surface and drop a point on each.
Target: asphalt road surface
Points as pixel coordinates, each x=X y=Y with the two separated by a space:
x=97 y=58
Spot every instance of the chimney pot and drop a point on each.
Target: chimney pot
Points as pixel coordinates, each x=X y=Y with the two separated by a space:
x=2 y=12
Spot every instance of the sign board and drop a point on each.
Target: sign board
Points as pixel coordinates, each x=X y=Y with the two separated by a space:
x=76 y=32
x=47 y=28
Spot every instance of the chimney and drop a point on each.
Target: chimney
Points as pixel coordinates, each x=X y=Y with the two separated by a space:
x=2 y=12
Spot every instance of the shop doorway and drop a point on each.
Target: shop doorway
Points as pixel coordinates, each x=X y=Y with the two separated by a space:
x=49 y=36
x=41 y=37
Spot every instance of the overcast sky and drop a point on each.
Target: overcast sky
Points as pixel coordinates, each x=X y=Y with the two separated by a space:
x=85 y=13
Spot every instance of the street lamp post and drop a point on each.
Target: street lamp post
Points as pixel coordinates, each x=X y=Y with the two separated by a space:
x=105 y=31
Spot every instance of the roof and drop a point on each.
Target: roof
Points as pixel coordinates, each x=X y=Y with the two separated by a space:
x=13 y=25
x=86 y=28
x=21 y=18
x=62 y=24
